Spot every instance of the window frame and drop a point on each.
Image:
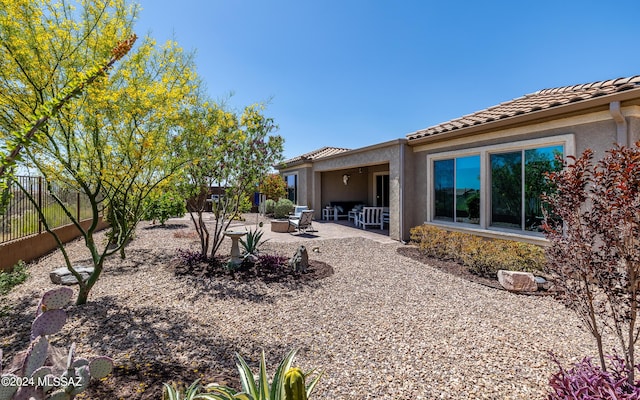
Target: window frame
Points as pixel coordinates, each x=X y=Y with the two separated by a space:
x=567 y=141
x=455 y=188
x=295 y=185
x=374 y=192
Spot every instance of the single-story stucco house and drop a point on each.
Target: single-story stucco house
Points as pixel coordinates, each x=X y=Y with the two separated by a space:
x=480 y=173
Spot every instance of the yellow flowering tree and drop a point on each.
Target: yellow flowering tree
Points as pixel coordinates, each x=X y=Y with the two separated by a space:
x=116 y=146
x=113 y=144
x=38 y=74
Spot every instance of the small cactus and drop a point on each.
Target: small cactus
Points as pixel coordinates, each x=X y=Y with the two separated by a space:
x=48 y=323
x=294 y=387
x=54 y=299
x=50 y=318
x=100 y=367
x=36 y=356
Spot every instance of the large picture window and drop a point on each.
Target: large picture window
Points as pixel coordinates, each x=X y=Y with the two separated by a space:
x=496 y=187
x=517 y=181
x=457 y=189
x=292 y=187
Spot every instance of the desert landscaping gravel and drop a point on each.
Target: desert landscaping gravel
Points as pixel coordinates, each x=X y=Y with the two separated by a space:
x=383 y=326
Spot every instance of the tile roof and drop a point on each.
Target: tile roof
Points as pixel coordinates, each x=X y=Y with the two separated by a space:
x=314 y=155
x=538 y=101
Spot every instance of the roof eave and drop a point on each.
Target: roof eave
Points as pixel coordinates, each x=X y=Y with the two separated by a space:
x=545 y=114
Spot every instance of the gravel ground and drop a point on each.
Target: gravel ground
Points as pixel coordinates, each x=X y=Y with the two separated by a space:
x=383 y=326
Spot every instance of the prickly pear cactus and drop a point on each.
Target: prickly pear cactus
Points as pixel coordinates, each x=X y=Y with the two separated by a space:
x=54 y=299
x=36 y=356
x=35 y=379
x=100 y=367
x=48 y=323
x=294 y=387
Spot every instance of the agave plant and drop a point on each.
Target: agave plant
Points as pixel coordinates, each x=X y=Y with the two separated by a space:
x=253 y=242
x=287 y=384
x=173 y=392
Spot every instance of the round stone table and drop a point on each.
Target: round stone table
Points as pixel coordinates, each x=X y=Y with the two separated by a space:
x=235 y=248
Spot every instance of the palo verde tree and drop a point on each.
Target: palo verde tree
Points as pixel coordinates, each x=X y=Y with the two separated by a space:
x=594 y=228
x=229 y=151
x=115 y=147
x=36 y=39
x=113 y=143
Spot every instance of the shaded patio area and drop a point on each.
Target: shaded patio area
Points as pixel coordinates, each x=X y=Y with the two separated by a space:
x=324 y=230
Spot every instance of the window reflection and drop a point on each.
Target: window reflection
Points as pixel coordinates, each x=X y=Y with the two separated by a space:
x=443 y=186
x=506 y=190
x=537 y=163
x=467 y=179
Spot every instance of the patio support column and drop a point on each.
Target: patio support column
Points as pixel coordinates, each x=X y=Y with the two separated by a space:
x=316 y=194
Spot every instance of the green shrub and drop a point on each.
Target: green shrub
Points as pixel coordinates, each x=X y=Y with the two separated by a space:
x=8 y=280
x=283 y=208
x=482 y=256
x=269 y=206
x=163 y=207
x=245 y=204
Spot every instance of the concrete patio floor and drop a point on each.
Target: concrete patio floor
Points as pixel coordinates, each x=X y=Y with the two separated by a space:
x=328 y=230
x=322 y=230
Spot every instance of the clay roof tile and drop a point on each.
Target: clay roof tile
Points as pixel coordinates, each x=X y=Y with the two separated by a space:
x=537 y=101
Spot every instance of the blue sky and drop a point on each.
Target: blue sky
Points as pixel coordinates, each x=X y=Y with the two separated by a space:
x=352 y=73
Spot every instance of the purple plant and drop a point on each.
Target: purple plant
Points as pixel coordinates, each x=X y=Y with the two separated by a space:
x=192 y=262
x=270 y=262
x=586 y=381
x=191 y=258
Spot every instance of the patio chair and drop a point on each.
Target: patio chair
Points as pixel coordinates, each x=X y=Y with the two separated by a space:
x=297 y=211
x=304 y=222
x=353 y=214
x=370 y=216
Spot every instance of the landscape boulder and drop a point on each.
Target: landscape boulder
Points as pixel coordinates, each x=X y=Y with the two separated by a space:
x=62 y=276
x=516 y=281
x=300 y=261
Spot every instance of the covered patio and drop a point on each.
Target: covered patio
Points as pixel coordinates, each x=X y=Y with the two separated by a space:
x=339 y=184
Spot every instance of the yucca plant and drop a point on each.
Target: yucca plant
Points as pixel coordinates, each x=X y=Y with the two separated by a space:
x=258 y=387
x=253 y=242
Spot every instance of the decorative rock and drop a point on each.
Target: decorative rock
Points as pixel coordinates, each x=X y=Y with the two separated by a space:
x=542 y=283
x=62 y=276
x=515 y=281
x=300 y=261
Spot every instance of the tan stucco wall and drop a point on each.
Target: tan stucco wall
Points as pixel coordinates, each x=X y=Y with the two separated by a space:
x=408 y=191
x=31 y=247
x=333 y=188
x=634 y=129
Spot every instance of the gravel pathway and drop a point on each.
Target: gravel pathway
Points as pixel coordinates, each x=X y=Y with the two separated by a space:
x=383 y=326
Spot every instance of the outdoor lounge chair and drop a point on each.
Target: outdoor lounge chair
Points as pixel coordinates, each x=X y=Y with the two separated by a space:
x=297 y=211
x=370 y=216
x=304 y=222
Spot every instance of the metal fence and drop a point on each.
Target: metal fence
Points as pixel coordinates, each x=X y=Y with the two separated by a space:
x=21 y=218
